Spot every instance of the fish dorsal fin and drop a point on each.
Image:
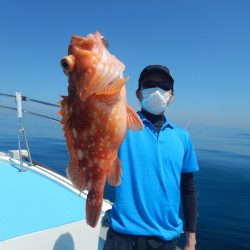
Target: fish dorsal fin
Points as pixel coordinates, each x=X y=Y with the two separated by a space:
x=113 y=88
x=134 y=120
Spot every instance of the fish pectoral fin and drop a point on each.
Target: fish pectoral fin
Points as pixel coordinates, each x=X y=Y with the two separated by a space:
x=134 y=120
x=113 y=88
x=115 y=173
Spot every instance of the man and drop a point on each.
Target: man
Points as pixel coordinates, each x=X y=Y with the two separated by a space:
x=158 y=164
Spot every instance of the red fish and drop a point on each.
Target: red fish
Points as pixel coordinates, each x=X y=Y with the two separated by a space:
x=95 y=116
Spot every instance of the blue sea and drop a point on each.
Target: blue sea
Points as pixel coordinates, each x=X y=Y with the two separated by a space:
x=223 y=182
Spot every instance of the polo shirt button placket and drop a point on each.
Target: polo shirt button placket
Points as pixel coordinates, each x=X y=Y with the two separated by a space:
x=155 y=132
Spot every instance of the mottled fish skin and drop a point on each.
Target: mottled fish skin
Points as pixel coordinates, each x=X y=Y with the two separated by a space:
x=95 y=116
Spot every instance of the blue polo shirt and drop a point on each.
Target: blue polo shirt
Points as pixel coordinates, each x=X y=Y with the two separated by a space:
x=148 y=199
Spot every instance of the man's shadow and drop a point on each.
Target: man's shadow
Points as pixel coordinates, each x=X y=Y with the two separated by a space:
x=64 y=242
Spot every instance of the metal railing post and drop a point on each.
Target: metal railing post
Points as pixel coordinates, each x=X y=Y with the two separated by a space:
x=21 y=131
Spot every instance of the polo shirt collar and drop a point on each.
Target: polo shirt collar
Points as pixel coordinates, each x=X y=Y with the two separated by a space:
x=166 y=123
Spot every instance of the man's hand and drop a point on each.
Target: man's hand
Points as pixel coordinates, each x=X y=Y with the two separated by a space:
x=189 y=248
x=190 y=241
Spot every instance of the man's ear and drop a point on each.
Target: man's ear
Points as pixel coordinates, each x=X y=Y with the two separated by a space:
x=138 y=94
x=171 y=97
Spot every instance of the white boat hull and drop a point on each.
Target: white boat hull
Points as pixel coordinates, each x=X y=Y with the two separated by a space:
x=73 y=234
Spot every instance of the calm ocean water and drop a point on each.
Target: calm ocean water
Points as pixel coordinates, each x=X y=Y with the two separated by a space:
x=223 y=182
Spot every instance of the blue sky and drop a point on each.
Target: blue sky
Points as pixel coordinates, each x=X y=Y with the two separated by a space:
x=206 y=45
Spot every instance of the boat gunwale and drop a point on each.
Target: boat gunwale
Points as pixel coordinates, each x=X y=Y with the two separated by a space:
x=54 y=176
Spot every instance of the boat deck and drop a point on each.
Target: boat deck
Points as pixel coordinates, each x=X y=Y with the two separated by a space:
x=31 y=207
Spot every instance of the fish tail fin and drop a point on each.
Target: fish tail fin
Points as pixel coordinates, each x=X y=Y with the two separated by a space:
x=93 y=207
x=115 y=173
x=77 y=176
x=134 y=121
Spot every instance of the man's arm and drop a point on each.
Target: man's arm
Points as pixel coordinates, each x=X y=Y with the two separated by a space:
x=189 y=204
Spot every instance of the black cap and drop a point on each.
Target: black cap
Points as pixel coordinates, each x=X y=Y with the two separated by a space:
x=155 y=69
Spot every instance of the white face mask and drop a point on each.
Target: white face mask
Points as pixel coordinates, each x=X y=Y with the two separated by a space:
x=154 y=100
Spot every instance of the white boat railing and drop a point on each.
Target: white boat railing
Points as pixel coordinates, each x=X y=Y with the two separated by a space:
x=22 y=131
x=25 y=98
x=19 y=98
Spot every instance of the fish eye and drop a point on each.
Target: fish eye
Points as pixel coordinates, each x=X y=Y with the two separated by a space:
x=65 y=64
x=68 y=64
